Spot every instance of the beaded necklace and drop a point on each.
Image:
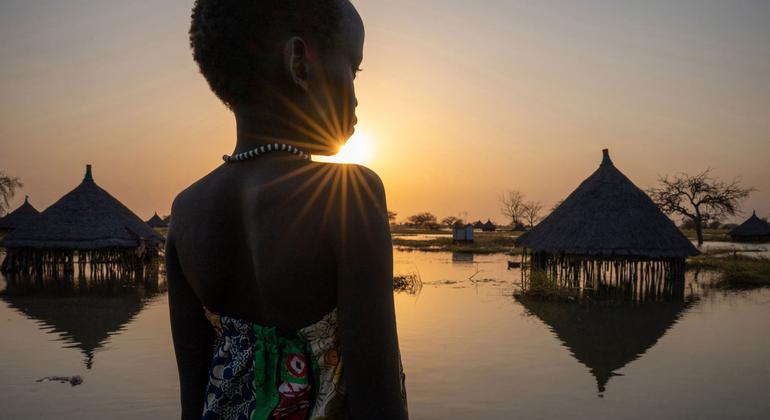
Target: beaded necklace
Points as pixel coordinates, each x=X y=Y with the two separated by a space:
x=266 y=148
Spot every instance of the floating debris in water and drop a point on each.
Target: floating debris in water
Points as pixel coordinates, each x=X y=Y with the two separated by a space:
x=408 y=283
x=442 y=282
x=72 y=380
x=485 y=280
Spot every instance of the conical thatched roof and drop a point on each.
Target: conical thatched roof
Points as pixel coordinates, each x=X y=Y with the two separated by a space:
x=607 y=338
x=752 y=228
x=156 y=222
x=607 y=215
x=87 y=218
x=23 y=215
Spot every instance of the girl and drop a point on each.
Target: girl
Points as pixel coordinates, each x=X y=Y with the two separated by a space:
x=280 y=268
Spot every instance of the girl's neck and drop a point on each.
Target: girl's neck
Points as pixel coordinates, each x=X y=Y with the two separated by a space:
x=254 y=129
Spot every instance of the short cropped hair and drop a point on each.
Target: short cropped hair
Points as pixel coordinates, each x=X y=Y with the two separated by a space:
x=228 y=37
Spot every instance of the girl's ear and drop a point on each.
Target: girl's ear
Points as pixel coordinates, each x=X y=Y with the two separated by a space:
x=295 y=61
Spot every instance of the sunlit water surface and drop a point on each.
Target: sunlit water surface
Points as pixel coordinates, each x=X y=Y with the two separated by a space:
x=470 y=350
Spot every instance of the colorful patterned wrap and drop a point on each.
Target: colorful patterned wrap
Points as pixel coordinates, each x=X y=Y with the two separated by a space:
x=259 y=374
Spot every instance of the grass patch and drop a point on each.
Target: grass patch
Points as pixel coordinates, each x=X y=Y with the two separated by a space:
x=484 y=243
x=711 y=235
x=737 y=270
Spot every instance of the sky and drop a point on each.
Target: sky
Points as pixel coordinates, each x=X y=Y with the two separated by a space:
x=458 y=102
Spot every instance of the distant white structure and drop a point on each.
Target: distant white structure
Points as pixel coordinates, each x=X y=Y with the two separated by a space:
x=462 y=233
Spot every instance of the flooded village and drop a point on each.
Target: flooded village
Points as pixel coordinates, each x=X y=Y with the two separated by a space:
x=574 y=199
x=599 y=303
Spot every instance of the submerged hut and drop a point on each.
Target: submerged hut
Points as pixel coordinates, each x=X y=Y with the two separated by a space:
x=519 y=227
x=22 y=216
x=462 y=232
x=156 y=222
x=752 y=230
x=88 y=230
x=607 y=230
x=489 y=226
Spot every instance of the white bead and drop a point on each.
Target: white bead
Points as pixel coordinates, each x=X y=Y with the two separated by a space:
x=264 y=149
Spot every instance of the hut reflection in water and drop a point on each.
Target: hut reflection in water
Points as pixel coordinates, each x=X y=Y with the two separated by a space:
x=84 y=311
x=606 y=338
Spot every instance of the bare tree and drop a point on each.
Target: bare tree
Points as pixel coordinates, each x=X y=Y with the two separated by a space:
x=450 y=221
x=531 y=212
x=699 y=198
x=512 y=206
x=8 y=186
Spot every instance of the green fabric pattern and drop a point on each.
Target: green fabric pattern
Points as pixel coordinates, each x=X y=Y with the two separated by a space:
x=259 y=374
x=292 y=346
x=265 y=369
x=271 y=359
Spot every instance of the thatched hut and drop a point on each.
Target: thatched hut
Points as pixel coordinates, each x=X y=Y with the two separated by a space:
x=88 y=230
x=607 y=230
x=478 y=225
x=752 y=230
x=156 y=222
x=489 y=226
x=23 y=215
x=519 y=227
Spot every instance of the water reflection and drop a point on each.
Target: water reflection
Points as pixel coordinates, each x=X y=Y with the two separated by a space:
x=607 y=337
x=84 y=313
x=462 y=257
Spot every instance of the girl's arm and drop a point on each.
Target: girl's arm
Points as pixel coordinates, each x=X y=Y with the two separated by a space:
x=367 y=321
x=193 y=336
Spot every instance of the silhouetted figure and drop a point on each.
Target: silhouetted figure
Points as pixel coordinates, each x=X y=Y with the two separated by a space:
x=283 y=265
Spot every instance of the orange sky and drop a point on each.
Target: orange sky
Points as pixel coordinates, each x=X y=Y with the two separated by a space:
x=461 y=100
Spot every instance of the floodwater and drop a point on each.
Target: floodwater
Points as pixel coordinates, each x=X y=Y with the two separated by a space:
x=470 y=351
x=422 y=236
x=755 y=250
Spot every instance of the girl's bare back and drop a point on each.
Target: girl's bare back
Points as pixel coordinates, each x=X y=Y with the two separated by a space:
x=253 y=238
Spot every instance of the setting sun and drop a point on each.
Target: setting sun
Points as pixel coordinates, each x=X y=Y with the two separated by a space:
x=359 y=149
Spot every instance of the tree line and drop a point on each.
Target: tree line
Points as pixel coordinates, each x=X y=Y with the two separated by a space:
x=701 y=201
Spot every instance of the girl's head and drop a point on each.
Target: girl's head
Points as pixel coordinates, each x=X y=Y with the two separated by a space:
x=297 y=57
